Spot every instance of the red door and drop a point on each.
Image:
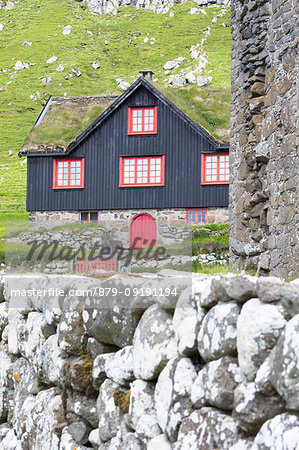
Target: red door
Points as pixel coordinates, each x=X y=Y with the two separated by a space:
x=143 y=231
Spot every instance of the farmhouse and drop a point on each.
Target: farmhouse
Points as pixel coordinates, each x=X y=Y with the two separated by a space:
x=141 y=161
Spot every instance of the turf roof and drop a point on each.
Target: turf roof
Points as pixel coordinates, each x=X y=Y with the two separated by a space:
x=65 y=121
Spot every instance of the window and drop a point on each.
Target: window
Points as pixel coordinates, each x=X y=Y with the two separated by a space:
x=142 y=171
x=196 y=216
x=89 y=216
x=215 y=168
x=142 y=120
x=68 y=173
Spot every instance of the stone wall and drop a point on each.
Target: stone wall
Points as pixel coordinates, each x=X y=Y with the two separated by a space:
x=213 y=365
x=119 y=219
x=264 y=154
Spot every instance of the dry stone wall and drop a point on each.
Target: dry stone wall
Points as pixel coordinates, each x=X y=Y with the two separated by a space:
x=215 y=366
x=264 y=153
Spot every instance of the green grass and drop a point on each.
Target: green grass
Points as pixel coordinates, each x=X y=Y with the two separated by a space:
x=210 y=269
x=210 y=238
x=62 y=127
x=42 y=22
x=5 y=225
x=206 y=105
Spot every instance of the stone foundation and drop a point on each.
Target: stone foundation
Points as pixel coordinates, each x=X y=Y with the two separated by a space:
x=171 y=223
x=264 y=142
x=118 y=218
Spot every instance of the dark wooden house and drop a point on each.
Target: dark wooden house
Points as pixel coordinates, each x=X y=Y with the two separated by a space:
x=142 y=159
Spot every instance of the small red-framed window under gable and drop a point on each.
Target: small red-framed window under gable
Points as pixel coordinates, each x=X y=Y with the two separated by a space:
x=68 y=173
x=196 y=216
x=142 y=120
x=141 y=171
x=215 y=168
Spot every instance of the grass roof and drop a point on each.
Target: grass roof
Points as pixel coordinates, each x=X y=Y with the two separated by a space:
x=65 y=119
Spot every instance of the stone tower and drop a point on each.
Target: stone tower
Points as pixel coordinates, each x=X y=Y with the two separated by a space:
x=264 y=185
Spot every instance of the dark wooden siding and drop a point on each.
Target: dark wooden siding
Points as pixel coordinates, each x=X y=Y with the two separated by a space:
x=181 y=145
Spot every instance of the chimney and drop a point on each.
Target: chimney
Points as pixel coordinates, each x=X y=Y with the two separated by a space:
x=147 y=73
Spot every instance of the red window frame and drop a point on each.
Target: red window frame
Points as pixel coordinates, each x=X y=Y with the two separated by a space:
x=196 y=210
x=204 y=168
x=55 y=173
x=88 y=212
x=143 y=109
x=122 y=160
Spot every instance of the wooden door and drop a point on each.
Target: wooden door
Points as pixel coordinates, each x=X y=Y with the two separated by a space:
x=143 y=228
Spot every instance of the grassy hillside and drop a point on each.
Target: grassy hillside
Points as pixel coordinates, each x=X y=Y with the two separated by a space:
x=42 y=21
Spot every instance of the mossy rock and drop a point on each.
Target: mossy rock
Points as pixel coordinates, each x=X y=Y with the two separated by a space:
x=122 y=399
x=78 y=375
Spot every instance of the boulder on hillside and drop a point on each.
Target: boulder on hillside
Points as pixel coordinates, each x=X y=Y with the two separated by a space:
x=204 y=81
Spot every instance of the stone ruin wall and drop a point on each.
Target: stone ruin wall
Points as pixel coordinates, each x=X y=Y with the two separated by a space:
x=264 y=137
x=211 y=367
